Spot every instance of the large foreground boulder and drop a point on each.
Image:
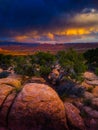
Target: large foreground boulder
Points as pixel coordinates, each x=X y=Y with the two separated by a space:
x=35 y=107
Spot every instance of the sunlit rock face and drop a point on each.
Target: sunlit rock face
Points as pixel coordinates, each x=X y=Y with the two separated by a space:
x=34 y=107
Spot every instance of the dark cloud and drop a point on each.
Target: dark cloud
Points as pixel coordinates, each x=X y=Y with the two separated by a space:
x=21 y=16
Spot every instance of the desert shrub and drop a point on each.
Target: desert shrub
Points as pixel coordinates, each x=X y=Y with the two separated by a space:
x=5 y=61
x=22 y=65
x=64 y=96
x=83 y=114
x=44 y=58
x=70 y=89
x=91 y=57
x=4 y=74
x=73 y=63
x=44 y=70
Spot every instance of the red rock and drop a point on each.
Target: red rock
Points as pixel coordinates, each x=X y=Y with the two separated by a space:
x=95 y=102
x=4 y=92
x=88 y=95
x=91 y=112
x=37 y=107
x=89 y=76
x=86 y=86
x=94 y=82
x=5 y=108
x=73 y=116
x=93 y=125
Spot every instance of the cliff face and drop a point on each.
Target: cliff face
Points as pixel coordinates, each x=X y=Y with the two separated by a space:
x=30 y=107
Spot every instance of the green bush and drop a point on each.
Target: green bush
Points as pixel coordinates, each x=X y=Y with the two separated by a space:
x=73 y=63
x=91 y=57
x=44 y=70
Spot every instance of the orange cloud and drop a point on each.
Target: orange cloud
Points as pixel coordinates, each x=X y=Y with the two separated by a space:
x=80 y=31
x=21 y=38
x=75 y=31
x=70 y=32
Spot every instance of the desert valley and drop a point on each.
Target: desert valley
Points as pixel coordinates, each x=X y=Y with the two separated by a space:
x=30 y=48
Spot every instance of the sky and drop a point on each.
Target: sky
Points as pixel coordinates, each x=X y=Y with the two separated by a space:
x=49 y=21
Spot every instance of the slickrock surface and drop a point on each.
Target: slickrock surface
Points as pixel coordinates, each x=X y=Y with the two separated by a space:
x=34 y=107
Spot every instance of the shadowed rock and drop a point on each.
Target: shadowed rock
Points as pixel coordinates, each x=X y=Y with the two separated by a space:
x=73 y=116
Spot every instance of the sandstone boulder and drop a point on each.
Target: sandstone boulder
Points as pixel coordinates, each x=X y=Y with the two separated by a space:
x=37 y=107
x=73 y=115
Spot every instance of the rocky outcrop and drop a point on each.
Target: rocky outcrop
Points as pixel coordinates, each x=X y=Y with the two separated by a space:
x=88 y=95
x=90 y=76
x=93 y=82
x=73 y=115
x=34 y=107
x=91 y=112
x=90 y=79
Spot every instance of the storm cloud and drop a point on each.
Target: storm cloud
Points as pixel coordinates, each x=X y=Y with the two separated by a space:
x=49 y=18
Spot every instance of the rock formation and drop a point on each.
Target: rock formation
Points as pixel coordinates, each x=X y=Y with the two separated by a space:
x=73 y=115
x=34 y=107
